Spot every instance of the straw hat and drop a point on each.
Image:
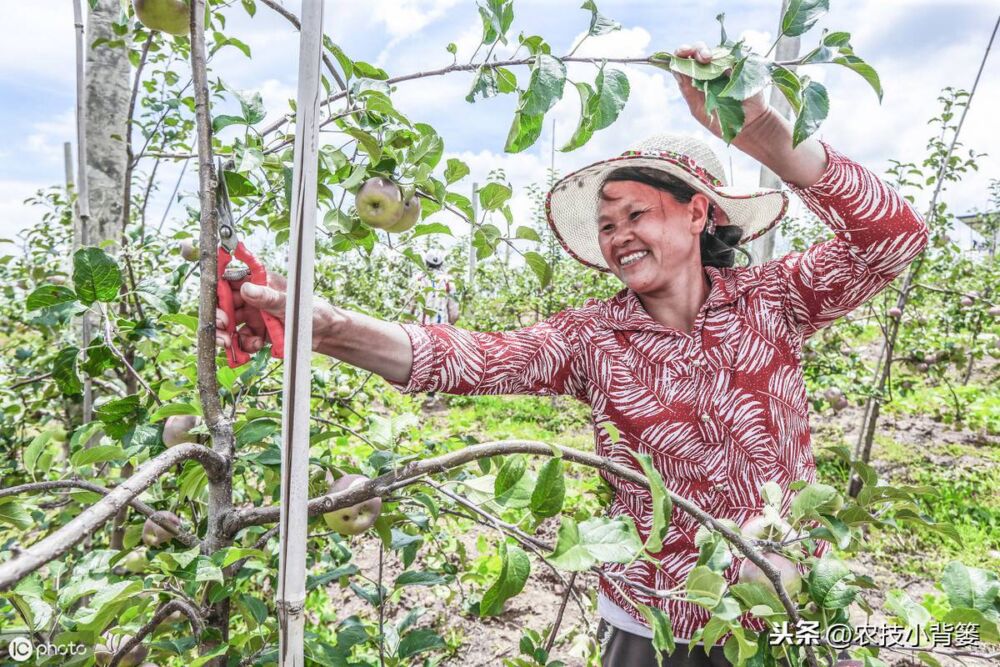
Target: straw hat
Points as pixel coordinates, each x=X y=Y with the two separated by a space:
x=572 y=204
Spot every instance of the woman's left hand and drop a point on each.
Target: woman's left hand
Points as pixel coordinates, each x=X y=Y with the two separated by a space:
x=753 y=107
x=766 y=135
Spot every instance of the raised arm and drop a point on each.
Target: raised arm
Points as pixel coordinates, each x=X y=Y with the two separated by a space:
x=876 y=235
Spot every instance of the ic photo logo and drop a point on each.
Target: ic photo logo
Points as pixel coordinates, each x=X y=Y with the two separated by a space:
x=20 y=649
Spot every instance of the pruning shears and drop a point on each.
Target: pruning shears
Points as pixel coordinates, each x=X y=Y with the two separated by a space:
x=231 y=247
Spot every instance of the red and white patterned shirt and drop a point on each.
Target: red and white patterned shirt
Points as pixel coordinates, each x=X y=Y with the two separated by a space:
x=721 y=409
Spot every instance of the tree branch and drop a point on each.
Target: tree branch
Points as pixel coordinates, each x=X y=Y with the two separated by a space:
x=65 y=538
x=185 y=538
x=409 y=473
x=197 y=625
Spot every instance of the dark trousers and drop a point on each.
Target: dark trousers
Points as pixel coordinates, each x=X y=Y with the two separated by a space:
x=623 y=649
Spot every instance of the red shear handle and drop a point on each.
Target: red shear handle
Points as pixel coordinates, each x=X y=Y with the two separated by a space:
x=258 y=276
x=234 y=353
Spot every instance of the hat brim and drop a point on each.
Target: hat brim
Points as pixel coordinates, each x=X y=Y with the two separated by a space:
x=572 y=204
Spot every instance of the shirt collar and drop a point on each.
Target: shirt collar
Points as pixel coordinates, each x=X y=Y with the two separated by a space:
x=625 y=312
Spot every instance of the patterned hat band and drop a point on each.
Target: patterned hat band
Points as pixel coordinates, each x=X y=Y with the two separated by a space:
x=572 y=204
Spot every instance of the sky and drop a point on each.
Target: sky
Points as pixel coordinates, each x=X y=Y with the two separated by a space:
x=917 y=46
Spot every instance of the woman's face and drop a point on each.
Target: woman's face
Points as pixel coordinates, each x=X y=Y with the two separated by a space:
x=646 y=236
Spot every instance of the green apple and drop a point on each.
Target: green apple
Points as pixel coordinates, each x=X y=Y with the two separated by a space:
x=177 y=429
x=410 y=216
x=379 y=203
x=791 y=580
x=136 y=562
x=189 y=251
x=170 y=16
x=357 y=518
x=155 y=535
x=764 y=527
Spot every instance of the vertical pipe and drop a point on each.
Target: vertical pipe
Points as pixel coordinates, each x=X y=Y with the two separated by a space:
x=472 y=236
x=762 y=249
x=298 y=344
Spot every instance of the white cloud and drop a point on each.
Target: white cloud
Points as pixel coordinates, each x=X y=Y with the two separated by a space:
x=46 y=139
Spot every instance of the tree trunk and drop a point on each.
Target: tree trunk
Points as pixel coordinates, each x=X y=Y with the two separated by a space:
x=762 y=249
x=107 y=95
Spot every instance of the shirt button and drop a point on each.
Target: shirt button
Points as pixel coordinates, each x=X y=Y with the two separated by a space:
x=719 y=487
x=697 y=363
x=705 y=419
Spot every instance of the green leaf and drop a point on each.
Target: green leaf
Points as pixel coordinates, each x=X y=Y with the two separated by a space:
x=539 y=266
x=545 y=88
x=550 y=489
x=663 y=634
x=12 y=512
x=722 y=59
x=907 y=610
x=600 y=106
x=497 y=15
x=584 y=130
x=173 y=409
x=494 y=195
x=96 y=275
x=801 y=15
x=612 y=91
x=206 y=570
x=34 y=450
x=729 y=111
x=224 y=121
x=64 y=371
x=599 y=23
x=514 y=573
x=813 y=500
x=526 y=233
x=422 y=578
x=418 y=641
x=596 y=540
x=748 y=78
x=866 y=71
x=97 y=454
x=366 y=143
x=239 y=185
x=739 y=648
x=815 y=107
x=788 y=83
x=829 y=584
x=970 y=586
x=662 y=505
x=988 y=630
x=431 y=228
x=705 y=587
x=524 y=132
x=49 y=295
x=455 y=171
x=510 y=473
x=761 y=600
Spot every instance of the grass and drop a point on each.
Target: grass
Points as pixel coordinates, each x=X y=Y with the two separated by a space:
x=978 y=406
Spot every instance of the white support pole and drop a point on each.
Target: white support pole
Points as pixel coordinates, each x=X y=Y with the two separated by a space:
x=298 y=345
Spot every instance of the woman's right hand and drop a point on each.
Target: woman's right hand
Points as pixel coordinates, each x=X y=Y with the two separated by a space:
x=248 y=302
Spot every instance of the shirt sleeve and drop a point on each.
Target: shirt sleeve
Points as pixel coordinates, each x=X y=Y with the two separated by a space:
x=542 y=359
x=876 y=235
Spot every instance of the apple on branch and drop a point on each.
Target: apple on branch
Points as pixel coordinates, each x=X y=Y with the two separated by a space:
x=358 y=518
x=177 y=429
x=380 y=203
x=155 y=535
x=171 y=16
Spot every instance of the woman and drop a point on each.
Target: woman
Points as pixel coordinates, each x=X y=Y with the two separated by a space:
x=695 y=362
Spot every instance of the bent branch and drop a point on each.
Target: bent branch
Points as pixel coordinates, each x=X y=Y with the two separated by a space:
x=413 y=471
x=187 y=539
x=197 y=626
x=65 y=538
